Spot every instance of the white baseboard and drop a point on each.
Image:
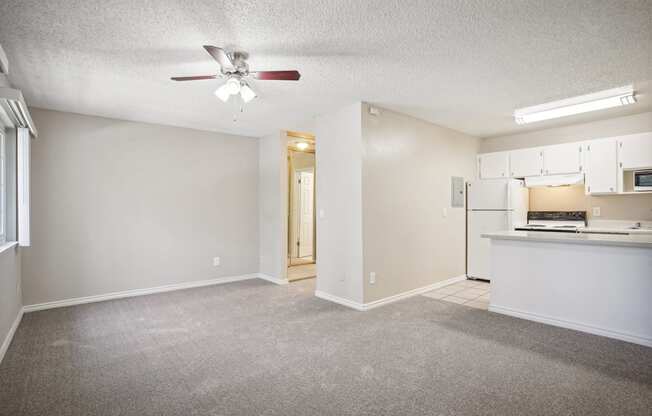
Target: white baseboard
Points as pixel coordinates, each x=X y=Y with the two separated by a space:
x=413 y=292
x=272 y=279
x=341 y=301
x=636 y=339
x=389 y=299
x=136 y=292
x=10 y=335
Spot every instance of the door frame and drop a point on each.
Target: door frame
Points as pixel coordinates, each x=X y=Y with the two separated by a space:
x=291 y=185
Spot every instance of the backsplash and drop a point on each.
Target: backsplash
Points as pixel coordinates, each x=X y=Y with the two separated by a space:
x=612 y=207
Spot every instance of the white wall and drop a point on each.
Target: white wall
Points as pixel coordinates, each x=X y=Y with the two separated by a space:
x=339 y=195
x=272 y=197
x=406 y=183
x=121 y=205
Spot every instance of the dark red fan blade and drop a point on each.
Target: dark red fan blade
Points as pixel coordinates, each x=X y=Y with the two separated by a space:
x=277 y=75
x=221 y=57
x=195 y=78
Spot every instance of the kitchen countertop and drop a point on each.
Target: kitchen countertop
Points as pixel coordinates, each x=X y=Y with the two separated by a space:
x=632 y=240
x=642 y=230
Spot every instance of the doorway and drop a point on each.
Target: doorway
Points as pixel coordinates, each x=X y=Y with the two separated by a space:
x=301 y=212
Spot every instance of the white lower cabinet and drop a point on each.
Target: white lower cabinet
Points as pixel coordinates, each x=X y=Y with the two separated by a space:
x=601 y=160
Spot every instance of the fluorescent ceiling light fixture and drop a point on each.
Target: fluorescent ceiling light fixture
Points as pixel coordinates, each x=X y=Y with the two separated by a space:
x=247 y=93
x=302 y=145
x=615 y=97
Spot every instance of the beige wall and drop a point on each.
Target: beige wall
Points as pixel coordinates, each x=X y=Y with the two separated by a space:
x=406 y=174
x=338 y=157
x=121 y=205
x=272 y=197
x=612 y=207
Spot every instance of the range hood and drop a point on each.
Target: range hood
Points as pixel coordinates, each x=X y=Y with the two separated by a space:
x=14 y=111
x=554 y=180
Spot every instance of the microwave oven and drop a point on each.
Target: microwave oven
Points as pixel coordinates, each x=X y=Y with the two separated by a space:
x=643 y=180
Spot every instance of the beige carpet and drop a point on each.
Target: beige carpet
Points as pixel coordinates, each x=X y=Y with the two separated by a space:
x=255 y=348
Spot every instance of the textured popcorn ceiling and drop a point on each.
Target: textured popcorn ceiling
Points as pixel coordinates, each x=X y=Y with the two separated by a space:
x=462 y=64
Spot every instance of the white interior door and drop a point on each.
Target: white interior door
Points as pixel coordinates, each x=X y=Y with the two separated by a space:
x=306 y=189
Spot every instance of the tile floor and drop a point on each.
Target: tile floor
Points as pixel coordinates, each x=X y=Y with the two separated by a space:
x=473 y=293
x=301 y=272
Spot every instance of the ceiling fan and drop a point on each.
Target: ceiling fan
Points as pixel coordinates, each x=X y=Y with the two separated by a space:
x=233 y=67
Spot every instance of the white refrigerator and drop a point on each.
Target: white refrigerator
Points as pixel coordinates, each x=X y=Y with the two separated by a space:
x=492 y=205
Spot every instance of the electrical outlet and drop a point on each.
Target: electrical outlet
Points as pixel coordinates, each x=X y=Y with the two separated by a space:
x=372 y=278
x=216 y=261
x=596 y=211
x=444 y=212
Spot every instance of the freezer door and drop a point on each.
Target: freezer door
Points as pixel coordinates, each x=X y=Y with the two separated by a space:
x=488 y=194
x=478 y=252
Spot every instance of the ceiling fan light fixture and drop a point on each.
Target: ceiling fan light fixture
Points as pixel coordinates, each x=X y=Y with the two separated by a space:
x=223 y=93
x=247 y=93
x=233 y=86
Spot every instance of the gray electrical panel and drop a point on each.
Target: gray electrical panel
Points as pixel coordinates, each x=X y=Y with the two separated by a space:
x=457 y=192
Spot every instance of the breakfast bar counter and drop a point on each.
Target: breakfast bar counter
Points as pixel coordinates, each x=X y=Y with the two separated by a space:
x=600 y=284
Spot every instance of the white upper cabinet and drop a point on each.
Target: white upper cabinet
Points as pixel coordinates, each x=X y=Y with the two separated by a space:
x=635 y=151
x=562 y=159
x=493 y=165
x=526 y=162
x=601 y=158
